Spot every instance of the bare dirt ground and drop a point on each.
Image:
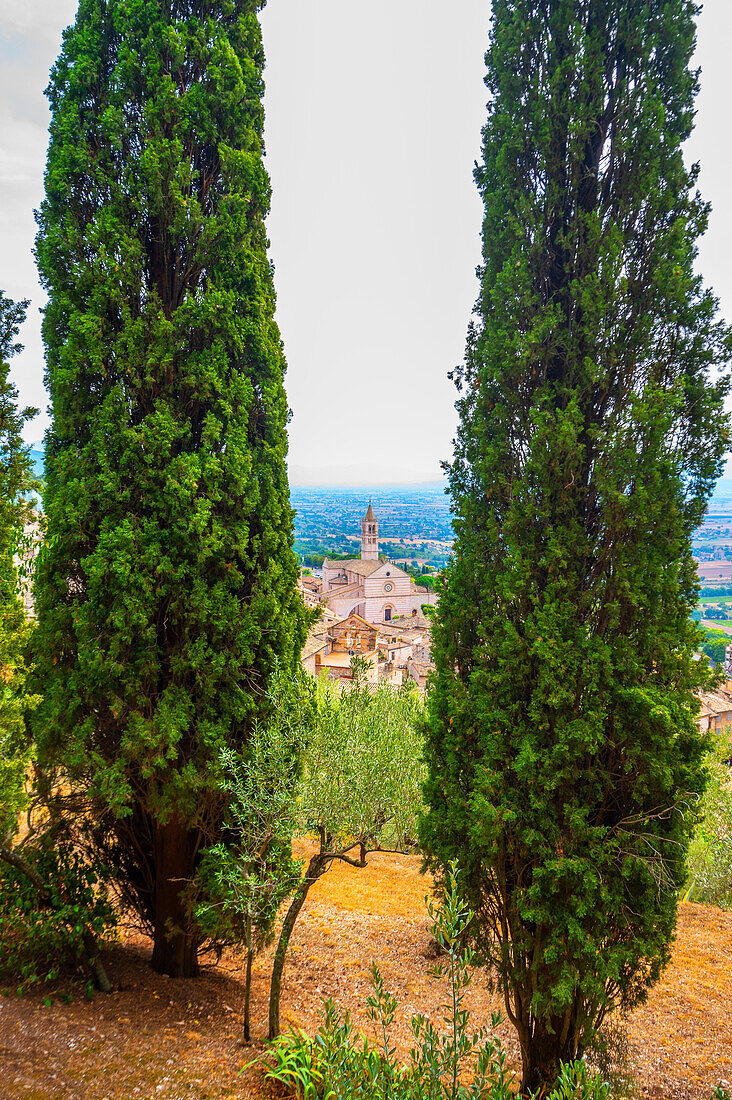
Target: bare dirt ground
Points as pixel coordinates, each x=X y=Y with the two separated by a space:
x=156 y=1039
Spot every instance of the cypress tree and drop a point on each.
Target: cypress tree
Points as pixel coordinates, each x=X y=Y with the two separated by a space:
x=167 y=591
x=563 y=747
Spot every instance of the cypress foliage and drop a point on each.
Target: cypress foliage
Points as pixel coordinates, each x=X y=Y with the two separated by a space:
x=167 y=592
x=563 y=747
x=16 y=482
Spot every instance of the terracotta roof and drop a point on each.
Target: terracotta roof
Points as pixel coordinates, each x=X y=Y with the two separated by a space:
x=313 y=644
x=343 y=660
x=369 y=517
x=348 y=618
x=717 y=702
x=362 y=568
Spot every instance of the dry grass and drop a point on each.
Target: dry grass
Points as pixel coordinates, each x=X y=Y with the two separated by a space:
x=174 y=1040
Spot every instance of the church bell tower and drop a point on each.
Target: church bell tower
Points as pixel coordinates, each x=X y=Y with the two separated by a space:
x=369 y=537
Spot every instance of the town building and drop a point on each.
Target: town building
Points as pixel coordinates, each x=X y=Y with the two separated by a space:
x=715 y=708
x=330 y=650
x=378 y=591
x=370 y=609
x=389 y=654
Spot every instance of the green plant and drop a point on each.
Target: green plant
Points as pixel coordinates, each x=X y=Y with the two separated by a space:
x=244 y=881
x=448 y=1062
x=359 y=791
x=714 y=644
x=440 y=1056
x=40 y=938
x=710 y=853
x=16 y=486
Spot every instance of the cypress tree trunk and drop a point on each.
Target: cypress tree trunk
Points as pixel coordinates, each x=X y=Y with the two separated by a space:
x=175 y=946
x=549 y=1049
x=563 y=748
x=167 y=591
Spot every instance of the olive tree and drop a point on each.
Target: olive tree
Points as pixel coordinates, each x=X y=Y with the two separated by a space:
x=359 y=790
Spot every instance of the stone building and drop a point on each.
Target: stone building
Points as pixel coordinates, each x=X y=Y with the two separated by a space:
x=392 y=654
x=715 y=709
x=378 y=591
x=330 y=651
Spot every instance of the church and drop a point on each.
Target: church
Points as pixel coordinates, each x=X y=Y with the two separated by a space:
x=378 y=591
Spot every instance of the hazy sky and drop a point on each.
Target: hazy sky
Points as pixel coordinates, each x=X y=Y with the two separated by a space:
x=373 y=125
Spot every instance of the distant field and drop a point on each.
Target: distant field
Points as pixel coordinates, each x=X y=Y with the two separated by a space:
x=714 y=570
x=723 y=625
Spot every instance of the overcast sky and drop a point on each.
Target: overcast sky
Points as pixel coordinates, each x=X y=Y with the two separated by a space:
x=373 y=125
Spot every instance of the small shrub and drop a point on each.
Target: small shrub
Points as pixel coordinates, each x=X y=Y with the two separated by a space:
x=38 y=941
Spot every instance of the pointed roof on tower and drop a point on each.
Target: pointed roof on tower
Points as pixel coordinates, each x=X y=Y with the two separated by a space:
x=370 y=517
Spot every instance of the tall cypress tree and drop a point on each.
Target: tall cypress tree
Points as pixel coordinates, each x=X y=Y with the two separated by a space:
x=563 y=745
x=167 y=591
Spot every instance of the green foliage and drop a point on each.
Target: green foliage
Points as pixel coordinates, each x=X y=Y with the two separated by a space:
x=166 y=593
x=39 y=941
x=360 y=788
x=715 y=644
x=710 y=854
x=16 y=486
x=314 y=561
x=362 y=766
x=245 y=880
x=446 y=1062
x=563 y=750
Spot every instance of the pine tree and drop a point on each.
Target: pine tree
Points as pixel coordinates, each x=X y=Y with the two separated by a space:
x=16 y=483
x=563 y=746
x=167 y=592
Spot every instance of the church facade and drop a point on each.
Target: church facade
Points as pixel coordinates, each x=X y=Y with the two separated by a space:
x=376 y=590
